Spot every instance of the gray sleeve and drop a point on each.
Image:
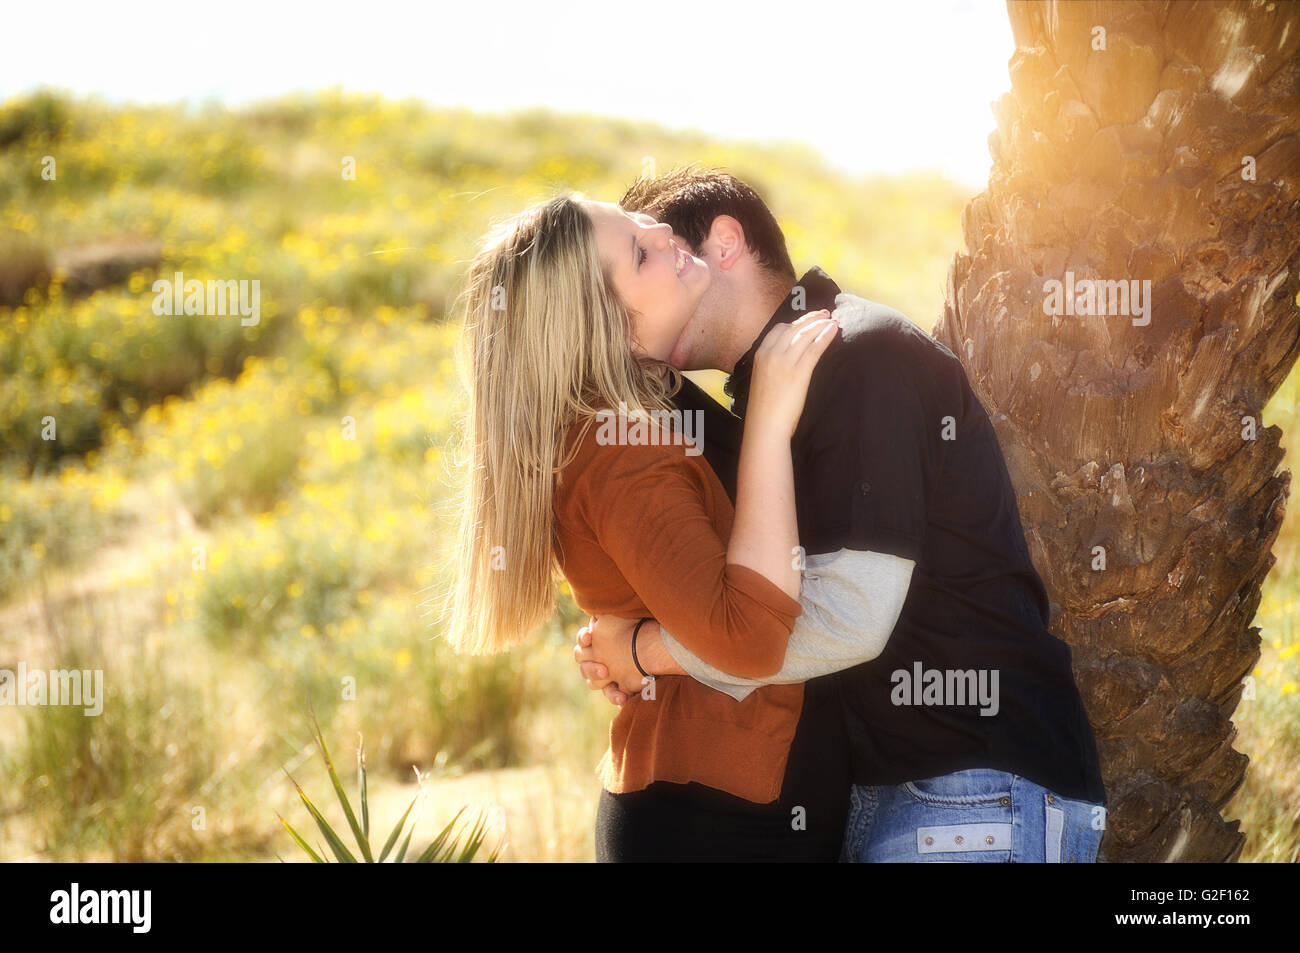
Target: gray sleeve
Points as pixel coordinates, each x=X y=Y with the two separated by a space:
x=851 y=600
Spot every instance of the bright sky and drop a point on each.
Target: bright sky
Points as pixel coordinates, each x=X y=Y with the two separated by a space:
x=877 y=87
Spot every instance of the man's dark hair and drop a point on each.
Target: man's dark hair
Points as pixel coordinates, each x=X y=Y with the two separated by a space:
x=689 y=198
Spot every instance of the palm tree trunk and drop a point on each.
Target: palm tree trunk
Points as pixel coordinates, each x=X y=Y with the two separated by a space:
x=1144 y=142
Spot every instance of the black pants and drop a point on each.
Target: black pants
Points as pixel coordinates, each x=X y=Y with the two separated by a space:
x=669 y=822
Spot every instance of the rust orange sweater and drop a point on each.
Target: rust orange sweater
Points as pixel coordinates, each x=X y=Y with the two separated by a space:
x=642 y=531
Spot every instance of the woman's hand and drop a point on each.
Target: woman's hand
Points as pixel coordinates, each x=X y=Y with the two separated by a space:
x=783 y=366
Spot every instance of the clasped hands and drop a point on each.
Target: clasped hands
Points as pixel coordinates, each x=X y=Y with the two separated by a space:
x=603 y=652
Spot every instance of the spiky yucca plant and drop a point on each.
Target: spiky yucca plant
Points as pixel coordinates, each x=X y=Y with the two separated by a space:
x=446 y=848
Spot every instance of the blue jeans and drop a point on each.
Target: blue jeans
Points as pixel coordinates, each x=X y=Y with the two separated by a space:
x=975 y=816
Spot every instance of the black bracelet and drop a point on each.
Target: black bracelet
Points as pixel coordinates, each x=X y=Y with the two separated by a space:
x=635 y=661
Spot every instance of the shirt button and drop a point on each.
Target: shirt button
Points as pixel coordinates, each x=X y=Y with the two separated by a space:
x=1051 y=799
x=864 y=487
x=929 y=841
x=989 y=839
x=960 y=839
x=1005 y=802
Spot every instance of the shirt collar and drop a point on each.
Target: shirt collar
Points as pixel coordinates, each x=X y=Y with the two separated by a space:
x=819 y=291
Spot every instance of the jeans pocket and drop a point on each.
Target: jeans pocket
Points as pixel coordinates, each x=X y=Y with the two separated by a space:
x=961 y=818
x=977 y=787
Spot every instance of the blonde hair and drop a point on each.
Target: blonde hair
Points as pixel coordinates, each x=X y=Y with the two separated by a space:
x=546 y=342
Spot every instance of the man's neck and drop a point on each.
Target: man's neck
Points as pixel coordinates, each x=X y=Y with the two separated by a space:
x=750 y=317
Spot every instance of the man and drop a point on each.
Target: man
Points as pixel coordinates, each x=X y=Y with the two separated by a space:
x=967 y=738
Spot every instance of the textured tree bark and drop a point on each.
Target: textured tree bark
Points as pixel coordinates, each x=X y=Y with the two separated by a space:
x=1126 y=154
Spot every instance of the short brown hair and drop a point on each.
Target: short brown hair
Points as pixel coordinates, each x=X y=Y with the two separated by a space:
x=689 y=198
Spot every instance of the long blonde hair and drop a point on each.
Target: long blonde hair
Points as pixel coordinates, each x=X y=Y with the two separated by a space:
x=546 y=342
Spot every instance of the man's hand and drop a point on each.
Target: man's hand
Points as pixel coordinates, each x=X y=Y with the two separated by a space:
x=604 y=656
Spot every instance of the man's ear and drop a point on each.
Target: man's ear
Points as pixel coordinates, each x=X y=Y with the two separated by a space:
x=725 y=243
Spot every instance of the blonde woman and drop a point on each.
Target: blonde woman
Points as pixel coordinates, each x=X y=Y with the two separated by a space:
x=572 y=310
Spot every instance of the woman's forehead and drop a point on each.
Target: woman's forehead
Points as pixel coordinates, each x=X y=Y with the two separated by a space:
x=616 y=213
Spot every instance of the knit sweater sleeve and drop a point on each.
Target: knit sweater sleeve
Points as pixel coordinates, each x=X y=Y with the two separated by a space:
x=647 y=510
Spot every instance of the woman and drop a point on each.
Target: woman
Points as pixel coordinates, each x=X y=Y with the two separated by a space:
x=572 y=310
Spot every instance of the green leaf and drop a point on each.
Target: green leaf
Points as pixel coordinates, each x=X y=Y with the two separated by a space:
x=392 y=838
x=401 y=855
x=474 y=842
x=361 y=783
x=301 y=843
x=342 y=796
x=336 y=844
x=434 y=853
